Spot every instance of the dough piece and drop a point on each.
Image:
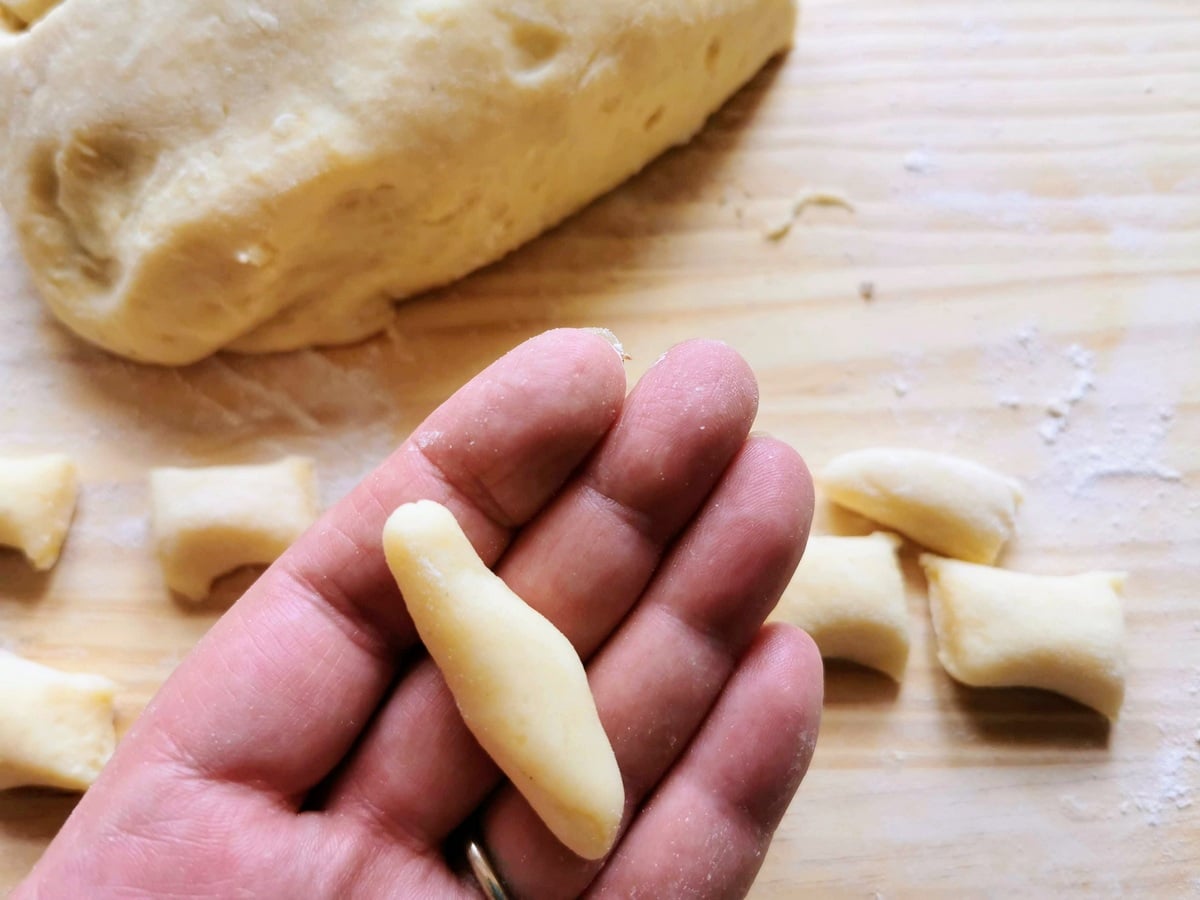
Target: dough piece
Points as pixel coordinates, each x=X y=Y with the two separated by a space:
x=951 y=505
x=1007 y=629
x=848 y=593
x=518 y=682
x=37 y=501
x=271 y=175
x=208 y=522
x=56 y=728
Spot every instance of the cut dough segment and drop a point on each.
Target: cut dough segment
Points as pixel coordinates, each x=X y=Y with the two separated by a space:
x=1007 y=629
x=518 y=682
x=956 y=507
x=208 y=522
x=848 y=593
x=56 y=728
x=37 y=500
x=270 y=175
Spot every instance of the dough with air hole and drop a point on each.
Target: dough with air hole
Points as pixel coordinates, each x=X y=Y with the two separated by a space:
x=56 y=728
x=271 y=175
x=210 y=521
x=1007 y=629
x=518 y=682
x=37 y=501
x=954 y=506
x=848 y=593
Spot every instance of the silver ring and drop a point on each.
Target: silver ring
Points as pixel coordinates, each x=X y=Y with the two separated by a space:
x=485 y=875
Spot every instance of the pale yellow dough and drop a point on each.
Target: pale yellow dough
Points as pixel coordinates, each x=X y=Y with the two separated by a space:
x=848 y=593
x=954 y=506
x=1006 y=629
x=518 y=682
x=208 y=522
x=37 y=501
x=185 y=177
x=56 y=728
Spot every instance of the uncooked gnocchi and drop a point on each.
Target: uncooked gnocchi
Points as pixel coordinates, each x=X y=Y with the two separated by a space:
x=208 y=522
x=1007 y=629
x=518 y=682
x=56 y=728
x=956 y=507
x=37 y=501
x=848 y=593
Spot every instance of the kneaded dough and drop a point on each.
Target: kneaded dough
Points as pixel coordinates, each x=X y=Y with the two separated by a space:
x=56 y=728
x=208 y=522
x=518 y=682
x=37 y=501
x=954 y=506
x=271 y=175
x=1007 y=629
x=848 y=593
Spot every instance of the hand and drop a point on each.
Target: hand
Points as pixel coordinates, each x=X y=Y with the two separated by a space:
x=308 y=747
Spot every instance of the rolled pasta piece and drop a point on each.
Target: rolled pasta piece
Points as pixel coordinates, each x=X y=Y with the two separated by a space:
x=210 y=521
x=56 y=728
x=37 y=501
x=518 y=682
x=954 y=506
x=1007 y=629
x=848 y=593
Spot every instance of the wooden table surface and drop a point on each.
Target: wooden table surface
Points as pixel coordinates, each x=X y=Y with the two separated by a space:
x=1025 y=184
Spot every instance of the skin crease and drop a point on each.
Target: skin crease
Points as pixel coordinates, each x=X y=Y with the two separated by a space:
x=308 y=747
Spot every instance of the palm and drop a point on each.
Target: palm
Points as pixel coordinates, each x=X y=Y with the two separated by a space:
x=308 y=747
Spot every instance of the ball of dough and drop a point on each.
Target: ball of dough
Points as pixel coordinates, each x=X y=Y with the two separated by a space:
x=271 y=175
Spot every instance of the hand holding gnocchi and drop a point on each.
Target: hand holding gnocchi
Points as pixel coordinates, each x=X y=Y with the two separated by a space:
x=311 y=746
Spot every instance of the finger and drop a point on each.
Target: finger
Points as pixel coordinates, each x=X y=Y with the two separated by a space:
x=706 y=829
x=659 y=675
x=282 y=685
x=583 y=562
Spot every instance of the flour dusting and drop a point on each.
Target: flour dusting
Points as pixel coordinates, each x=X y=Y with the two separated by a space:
x=1096 y=423
x=1058 y=409
x=1173 y=788
x=920 y=162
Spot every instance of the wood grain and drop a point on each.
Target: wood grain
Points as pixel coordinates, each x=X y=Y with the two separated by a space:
x=1026 y=194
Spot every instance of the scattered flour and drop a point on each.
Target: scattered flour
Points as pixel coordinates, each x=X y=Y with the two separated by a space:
x=920 y=162
x=1058 y=410
x=893 y=760
x=907 y=375
x=1173 y=789
x=1123 y=438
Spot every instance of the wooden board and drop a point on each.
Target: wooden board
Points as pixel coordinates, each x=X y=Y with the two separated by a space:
x=1025 y=182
